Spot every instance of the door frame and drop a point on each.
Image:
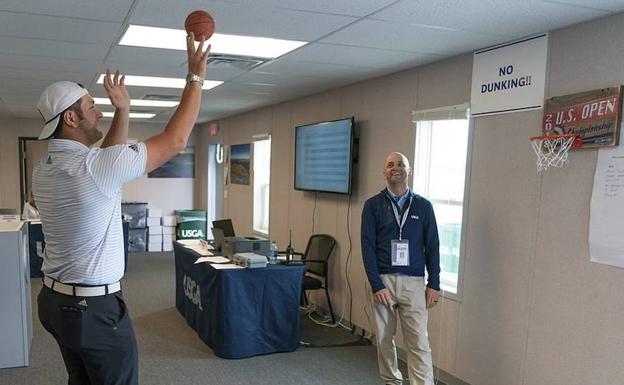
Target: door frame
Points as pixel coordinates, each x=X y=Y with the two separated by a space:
x=22 y=141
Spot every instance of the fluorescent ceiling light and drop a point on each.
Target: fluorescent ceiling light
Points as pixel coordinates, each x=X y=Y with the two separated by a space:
x=141 y=102
x=154 y=81
x=133 y=115
x=168 y=38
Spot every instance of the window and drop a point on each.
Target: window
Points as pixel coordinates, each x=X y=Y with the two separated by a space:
x=261 y=183
x=440 y=174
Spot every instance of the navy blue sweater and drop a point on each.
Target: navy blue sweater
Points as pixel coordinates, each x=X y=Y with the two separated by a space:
x=379 y=228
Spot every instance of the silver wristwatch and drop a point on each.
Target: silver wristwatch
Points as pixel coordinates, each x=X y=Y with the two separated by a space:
x=190 y=77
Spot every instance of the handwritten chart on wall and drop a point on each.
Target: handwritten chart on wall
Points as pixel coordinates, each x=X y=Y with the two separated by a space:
x=606 y=243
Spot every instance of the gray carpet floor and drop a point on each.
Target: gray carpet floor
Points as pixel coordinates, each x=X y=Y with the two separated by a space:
x=170 y=352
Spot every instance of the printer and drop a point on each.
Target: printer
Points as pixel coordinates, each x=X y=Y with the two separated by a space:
x=250 y=260
x=234 y=245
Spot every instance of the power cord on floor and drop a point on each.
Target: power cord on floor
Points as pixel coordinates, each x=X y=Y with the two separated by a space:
x=325 y=320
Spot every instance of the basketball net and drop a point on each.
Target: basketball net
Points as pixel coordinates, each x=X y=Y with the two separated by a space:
x=552 y=150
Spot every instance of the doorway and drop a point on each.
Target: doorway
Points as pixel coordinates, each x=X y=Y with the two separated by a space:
x=31 y=150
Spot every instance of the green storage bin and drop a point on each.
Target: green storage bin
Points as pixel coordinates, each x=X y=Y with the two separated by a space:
x=191 y=224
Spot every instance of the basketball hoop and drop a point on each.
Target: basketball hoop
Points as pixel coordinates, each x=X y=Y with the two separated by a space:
x=552 y=150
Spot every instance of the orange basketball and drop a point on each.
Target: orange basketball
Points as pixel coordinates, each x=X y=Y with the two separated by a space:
x=200 y=23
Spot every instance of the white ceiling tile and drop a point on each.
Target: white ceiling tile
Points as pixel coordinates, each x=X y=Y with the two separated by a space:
x=358 y=56
x=59 y=49
x=149 y=57
x=411 y=38
x=341 y=7
x=48 y=63
x=606 y=5
x=280 y=80
x=36 y=84
x=139 y=92
x=323 y=70
x=230 y=18
x=109 y=10
x=57 y=28
x=159 y=62
x=510 y=18
x=20 y=73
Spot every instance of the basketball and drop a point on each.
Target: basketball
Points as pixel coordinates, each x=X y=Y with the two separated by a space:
x=200 y=23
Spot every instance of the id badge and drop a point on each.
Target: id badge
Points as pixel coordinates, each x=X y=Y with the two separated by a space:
x=400 y=252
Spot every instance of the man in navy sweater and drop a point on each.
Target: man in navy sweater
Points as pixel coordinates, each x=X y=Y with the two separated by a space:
x=400 y=240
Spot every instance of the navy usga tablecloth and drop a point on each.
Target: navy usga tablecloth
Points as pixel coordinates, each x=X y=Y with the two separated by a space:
x=240 y=312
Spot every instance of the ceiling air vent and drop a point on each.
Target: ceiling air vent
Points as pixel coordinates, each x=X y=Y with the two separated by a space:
x=234 y=62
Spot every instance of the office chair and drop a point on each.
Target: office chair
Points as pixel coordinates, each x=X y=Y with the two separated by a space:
x=316 y=258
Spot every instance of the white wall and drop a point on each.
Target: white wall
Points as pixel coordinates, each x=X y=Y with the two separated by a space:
x=168 y=194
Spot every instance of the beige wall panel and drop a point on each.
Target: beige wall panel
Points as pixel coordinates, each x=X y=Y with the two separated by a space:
x=242 y=128
x=316 y=108
x=226 y=127
x=10 y=131
x=575 y=333
x=499 y=251
x=443 y=326
x=263 y=121
x=445 y=83
x=323 y=106
x=389 y=102
x=239 y=202
x=354 y=104
x=200 y=188
x=574 y=323
x=587 y=56
x=281 y=178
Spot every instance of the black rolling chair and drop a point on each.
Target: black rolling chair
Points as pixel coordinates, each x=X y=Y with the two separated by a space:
x=315 y=258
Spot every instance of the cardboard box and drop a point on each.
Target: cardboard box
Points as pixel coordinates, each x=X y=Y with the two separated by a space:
x=168 y=230
x=155 y=229
x=153 y=221
x=168 y=220
x=154 y=246
x=166 y=246
x=153 y=212
x=168 y=238
x=155 y=238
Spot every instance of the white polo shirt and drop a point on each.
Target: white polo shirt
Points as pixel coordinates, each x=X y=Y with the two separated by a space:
x=78 y=193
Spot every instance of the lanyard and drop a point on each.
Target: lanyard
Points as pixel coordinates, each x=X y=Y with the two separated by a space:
x=400 y=221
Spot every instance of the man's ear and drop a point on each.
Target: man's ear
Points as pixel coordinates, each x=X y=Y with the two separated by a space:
x=70 y=117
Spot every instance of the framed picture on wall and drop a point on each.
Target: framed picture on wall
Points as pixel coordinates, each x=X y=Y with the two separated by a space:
x=180 y=166
x=239 y=163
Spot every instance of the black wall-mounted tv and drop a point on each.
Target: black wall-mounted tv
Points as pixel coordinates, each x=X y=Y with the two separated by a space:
x=324 y=156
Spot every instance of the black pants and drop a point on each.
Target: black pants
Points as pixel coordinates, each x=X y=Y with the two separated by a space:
x=96 y=337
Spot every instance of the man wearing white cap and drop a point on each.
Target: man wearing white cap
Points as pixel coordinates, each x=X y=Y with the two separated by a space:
x=78 y=194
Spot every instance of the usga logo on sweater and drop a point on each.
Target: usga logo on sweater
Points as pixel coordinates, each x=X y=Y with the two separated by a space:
x=192 y=233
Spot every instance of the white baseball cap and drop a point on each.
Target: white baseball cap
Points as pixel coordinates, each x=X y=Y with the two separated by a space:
x=54 y=100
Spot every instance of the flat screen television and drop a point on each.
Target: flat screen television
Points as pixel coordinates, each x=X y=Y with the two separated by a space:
x=324 y=156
